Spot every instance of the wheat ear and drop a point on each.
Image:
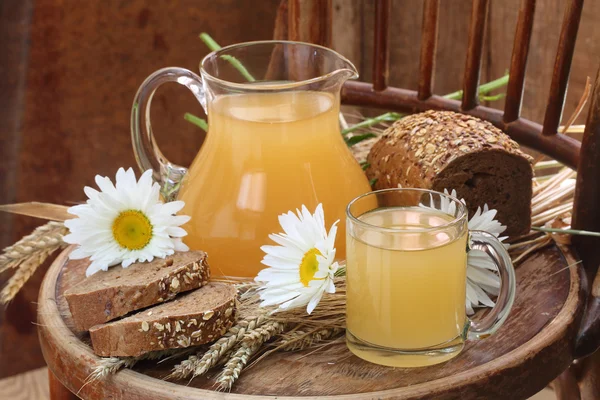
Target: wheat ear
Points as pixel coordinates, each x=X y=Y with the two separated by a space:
x=300 y=340
x=112 y=365
x=200 y=363
x=48 y=236
x=249 y=345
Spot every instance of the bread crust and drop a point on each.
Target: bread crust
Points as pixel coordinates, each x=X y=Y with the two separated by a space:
x=192 y=319
x=445 y=150
x=110 y=294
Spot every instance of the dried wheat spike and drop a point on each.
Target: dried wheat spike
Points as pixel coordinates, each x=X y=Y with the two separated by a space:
x=251 y=343
x=47 y=236
x=200 y=363
x=28 y=254
x=112 y=365
x=300 y=340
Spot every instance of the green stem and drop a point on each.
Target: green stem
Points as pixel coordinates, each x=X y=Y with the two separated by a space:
x=199 y=122
x=569 y=231
x=392 y=116
x=214 y=46
x=547 y=164
x=209 y=42
x=483 y=89
x=492 y=98
x=387 y=117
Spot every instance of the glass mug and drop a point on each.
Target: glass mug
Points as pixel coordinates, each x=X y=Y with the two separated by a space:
x=406 y=278
x=273 y=144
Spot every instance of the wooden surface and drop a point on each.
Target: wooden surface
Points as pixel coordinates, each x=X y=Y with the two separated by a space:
x=531 y=349
x=57 y=390
x=33 y=385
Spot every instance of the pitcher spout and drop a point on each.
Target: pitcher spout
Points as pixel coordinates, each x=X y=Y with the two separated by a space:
x=347 y=71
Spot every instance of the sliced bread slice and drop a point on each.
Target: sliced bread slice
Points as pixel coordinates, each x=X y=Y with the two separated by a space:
x=110 y=294
x=192 y=319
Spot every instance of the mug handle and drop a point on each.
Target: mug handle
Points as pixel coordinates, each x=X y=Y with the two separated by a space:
x=147 y=153
x=486 y=242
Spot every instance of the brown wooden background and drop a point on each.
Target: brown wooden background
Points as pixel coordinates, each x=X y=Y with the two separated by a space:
x=69 y=70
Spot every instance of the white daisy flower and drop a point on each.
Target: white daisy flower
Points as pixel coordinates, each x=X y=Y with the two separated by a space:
x=302 y=267
x=482 y=277
x=125 y=223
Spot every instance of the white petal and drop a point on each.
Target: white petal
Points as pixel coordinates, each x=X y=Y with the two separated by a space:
x=272 y=298
x=175 y=231
x=180 y=246
x=127 y=262
x=299 y=301
x=285 y=253
x=95 y=267
x=286 y=241
x=314 y=301
x=105 y=184
x=280 y=264
x=172 y=207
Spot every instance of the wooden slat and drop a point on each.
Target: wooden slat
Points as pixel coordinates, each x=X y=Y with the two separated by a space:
x=560 y=147
x=518 y=63
x=381 y=48
x=310 y=21
x=57 y=389
x=428 y=46
x=586 y=215
x=474 y=52
x=562 y=66
x=565 y=386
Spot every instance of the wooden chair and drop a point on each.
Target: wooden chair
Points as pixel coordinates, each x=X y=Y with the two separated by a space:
x=556 y=318
x=583 y=156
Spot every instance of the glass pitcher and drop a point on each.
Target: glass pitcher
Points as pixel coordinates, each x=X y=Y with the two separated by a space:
x=273 y=144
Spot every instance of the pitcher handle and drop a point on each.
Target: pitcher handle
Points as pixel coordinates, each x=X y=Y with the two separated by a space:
x=488 y=243
x=147 y=153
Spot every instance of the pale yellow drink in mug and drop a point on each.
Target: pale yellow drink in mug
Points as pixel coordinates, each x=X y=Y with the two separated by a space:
x=406 y=284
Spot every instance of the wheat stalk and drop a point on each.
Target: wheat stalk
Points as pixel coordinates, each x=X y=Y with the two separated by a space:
x=199 y=364
x=28 y=254
x=42 y=238
x=301 y=340
x=236 y=363
x=112 y=365
x=249 y=345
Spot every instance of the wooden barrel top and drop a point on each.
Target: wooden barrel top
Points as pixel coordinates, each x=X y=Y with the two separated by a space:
x=531 y=349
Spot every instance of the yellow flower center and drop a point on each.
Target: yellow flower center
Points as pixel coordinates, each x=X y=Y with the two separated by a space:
x=132 y=230
x=309 y=266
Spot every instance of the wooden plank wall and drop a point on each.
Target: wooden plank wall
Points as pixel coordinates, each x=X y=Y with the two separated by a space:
x=69 y=70
x=353 y=36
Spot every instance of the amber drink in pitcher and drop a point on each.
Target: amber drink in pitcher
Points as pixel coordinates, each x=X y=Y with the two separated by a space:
x=273 y=144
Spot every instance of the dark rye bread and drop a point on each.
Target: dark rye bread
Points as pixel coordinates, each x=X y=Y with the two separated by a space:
x=107 y=295
x=445 y=150
x=194 y=318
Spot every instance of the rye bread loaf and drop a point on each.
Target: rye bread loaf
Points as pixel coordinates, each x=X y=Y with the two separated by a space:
x=445 y=150
x=107 y=295
x=192 y=319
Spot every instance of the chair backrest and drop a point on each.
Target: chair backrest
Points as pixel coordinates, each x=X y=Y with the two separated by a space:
x=311 y=21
